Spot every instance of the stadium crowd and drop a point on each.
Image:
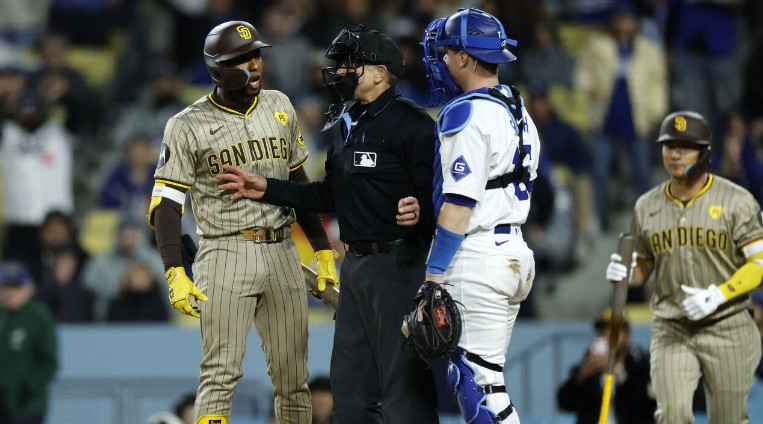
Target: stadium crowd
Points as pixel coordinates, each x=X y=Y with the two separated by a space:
x=87 y=87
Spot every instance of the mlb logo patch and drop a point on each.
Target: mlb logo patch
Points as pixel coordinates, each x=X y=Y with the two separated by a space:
x=365 y=159
x=460 y=169
x=440 y=316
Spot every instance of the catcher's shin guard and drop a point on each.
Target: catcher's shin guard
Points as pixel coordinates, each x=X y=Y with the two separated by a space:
x=470 y=396
x=212 y=419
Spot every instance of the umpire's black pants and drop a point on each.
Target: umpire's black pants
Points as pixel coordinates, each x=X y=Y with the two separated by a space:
x=375 y=376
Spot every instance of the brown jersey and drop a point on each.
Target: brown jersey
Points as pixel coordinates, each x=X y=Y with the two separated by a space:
x=206 y=135
x=696 y=244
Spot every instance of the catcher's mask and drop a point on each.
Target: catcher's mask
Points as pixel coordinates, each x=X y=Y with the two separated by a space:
x=227 y=45
x=473 y=31
x=352 y=49
x=690 y=127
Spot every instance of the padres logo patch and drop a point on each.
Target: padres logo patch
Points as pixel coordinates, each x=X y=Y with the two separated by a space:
x=244 y=32
x=680 y=123
x=282 y=117
x=715 y=211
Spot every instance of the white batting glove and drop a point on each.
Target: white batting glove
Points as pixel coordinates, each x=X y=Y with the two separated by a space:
x=701 y=302
x=616 y=271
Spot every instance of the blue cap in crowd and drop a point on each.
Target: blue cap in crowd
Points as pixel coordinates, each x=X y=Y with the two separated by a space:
x=14 y=272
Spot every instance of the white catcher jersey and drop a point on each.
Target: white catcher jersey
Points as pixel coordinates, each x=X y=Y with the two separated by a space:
x=487 y=147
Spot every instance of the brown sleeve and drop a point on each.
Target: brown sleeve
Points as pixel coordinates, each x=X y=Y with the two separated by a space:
x=167 y=219
x=311 y=222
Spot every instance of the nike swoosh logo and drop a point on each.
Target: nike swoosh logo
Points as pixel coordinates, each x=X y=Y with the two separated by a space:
x=498 y=244
x=213 y=132
x=653 y=213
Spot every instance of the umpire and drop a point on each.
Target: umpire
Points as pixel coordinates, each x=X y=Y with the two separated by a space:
x=379 y=183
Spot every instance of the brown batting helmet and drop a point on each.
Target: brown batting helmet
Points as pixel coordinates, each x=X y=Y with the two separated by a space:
x=685 y=126
x=690 y=127
x=224 y=44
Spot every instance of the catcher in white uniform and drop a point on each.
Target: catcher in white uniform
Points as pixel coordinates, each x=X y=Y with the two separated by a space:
x=487 y=158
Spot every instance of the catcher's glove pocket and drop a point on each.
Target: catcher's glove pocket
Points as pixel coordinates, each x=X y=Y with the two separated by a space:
x=433 y=327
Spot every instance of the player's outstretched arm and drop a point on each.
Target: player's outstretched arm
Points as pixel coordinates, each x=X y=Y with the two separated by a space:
x=243 y=183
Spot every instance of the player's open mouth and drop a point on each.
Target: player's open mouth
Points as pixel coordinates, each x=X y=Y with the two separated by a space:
x=254 y=83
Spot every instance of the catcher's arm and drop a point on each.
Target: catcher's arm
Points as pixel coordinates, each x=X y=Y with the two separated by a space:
x=449 y=233
x=619 y=296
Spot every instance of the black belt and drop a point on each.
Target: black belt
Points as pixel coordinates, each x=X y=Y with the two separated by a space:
x=362 y=248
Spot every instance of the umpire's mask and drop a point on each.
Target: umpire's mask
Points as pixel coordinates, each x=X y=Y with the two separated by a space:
x=352 y=49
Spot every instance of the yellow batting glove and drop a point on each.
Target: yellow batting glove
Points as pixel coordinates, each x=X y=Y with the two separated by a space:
x=326 y=268
x=181 y=290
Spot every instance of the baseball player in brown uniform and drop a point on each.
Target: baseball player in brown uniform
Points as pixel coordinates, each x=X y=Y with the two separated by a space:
x=247 y=270
x=702 y=236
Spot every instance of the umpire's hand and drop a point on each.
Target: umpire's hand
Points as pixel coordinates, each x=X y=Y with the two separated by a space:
x=245 y=184
x=408 y=211
x=181 y=290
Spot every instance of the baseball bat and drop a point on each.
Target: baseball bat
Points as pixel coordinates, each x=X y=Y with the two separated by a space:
x=619 y=296
x=330 y=296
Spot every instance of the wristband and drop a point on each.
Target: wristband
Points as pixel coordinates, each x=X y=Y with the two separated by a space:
x=444 y=247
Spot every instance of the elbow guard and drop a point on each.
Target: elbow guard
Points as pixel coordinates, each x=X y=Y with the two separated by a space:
x=746 y=279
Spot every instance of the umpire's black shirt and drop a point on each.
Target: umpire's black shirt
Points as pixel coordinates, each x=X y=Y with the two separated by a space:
x=380 y=152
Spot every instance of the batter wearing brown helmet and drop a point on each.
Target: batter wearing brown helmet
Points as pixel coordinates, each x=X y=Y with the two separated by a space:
x=247 y=270
x=702 y=237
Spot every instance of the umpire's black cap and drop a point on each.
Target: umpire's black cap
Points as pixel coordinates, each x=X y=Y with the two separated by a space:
x=368 y=46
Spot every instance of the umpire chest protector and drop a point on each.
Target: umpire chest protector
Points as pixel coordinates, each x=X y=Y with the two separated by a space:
x=457 y=114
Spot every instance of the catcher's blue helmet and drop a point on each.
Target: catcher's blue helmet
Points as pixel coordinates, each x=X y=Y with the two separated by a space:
x=479 y=34
x=473 y=31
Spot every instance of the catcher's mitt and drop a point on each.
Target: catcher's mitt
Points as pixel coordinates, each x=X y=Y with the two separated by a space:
x=433 y=328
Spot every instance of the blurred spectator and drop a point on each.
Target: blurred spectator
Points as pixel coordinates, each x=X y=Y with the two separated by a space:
x=148 y=115
x=623 y=76
x=191 y=22
x=163 y=417
x=184 y=408
x=564 y=147
x=753 y=88
x=63 y=292
x=702 y=41
x=738 y=158
x=57 y=229
x=413 y=84
x=587 y=12
x=183 y=413
x=22 y=21
x=290 y=57
x=89 y=22
x=103 y=273
x=321 y=399
x=128 y=185
x=61 y=85
x=36 y=162
x=12 y=83
x=332 y=16
x=632 y=401
x=545 y=60
x=539 y=218
x=139 y=298
x=28 y=348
